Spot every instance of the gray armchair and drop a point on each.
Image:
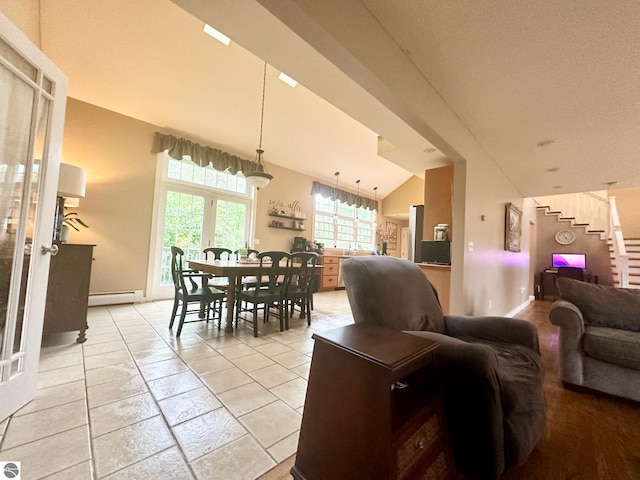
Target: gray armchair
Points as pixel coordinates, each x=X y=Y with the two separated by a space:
x=490 y=367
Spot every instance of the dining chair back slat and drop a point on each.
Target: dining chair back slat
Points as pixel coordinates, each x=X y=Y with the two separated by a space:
x=188 y=293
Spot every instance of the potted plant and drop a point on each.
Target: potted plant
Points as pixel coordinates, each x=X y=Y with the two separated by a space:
x=70 y=220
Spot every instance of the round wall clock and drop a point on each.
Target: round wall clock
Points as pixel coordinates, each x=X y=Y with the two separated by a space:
x=565 y=237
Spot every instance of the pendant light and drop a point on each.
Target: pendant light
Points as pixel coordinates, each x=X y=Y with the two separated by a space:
x=375 y=202
x=357 y=201
x=335 y=199
x=260 y=178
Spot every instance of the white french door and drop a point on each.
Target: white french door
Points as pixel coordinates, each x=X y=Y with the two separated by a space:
x=32 y=101
x=193 y=220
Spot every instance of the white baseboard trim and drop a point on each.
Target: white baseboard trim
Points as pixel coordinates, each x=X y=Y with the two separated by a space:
x=520 y=307
x=115 y=298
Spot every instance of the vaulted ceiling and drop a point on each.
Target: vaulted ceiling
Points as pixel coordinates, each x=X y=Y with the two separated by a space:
x=546 y=89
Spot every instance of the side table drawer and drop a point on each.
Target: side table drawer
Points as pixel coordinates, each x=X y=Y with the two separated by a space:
x=419 y=443
x=329 y=281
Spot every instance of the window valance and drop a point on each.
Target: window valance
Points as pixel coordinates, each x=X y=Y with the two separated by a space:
x=180 y=147
x=349 y=198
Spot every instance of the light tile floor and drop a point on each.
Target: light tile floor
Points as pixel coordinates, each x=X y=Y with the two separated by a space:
x=135 y=402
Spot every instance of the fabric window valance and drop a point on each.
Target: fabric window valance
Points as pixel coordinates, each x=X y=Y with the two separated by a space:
x=349 y=198
x=200 y=155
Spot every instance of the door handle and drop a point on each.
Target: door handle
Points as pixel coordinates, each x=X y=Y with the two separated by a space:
x=53 y=249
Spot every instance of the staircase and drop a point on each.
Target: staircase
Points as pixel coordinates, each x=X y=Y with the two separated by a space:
x=597 y=213
x=633 y=250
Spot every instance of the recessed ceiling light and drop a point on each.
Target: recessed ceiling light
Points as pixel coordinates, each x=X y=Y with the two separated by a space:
x=553 y=169
x=610 y=184
x=221 y=37
x=544 y=143
x=429 y=150
x=287 y=79
x=557 y=186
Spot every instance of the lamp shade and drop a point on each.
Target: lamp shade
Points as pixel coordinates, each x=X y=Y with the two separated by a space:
x=72 y=181
x=258 y=179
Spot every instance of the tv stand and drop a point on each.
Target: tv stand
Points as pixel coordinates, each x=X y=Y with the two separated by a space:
x=547 y=289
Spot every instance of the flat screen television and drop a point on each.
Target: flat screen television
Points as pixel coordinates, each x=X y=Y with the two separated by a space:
x=578 y=260
x=437 y=252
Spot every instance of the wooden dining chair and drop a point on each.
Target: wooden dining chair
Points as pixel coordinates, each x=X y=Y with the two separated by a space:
x=217 y=253
x=299 y=290
x=189 y=293
x=270 y=291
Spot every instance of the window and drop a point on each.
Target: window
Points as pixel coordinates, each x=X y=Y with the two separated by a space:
x=199 y=208
x=339 y=225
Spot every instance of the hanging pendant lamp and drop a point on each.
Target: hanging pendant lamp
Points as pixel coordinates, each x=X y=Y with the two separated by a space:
x=357 y=200
x=335 y=200
x=260 y=178
x=375 y=202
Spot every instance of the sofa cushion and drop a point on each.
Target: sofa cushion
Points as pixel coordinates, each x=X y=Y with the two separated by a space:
x=601 y=305
x=612 y=345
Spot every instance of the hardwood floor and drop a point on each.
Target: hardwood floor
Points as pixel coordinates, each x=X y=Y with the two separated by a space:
x=589 y=436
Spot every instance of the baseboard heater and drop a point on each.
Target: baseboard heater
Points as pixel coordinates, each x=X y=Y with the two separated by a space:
x=115 y=298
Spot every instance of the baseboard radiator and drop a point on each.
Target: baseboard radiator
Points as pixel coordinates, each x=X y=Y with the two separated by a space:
x=115 y=298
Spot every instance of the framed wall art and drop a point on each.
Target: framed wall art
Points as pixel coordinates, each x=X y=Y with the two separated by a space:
x=513 y=228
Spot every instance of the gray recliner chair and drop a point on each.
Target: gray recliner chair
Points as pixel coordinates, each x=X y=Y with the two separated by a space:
x=490 y=367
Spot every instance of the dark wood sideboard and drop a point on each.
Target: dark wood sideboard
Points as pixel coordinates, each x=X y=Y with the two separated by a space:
x=373 y=409
x=68 y=290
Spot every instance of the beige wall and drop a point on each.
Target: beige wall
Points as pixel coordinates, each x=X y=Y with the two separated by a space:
x=115 y=151
x=286 y=188
x=25 y=14
x=409 y=193
x=488 y=280
x=627 y=201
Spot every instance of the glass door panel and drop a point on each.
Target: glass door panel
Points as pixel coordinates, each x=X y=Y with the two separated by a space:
x=31 y=119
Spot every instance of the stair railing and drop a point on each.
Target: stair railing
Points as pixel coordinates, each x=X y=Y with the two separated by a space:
x=620 y=255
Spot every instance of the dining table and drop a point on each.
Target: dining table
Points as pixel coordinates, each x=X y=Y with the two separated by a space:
x=234 y=270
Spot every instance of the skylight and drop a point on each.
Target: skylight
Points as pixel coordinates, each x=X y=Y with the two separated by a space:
x=221 y=37
x=287 y=79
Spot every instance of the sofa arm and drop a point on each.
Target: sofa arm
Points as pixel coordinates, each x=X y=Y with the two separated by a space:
x=493 y=329
x=473 y=404
x=571 y=322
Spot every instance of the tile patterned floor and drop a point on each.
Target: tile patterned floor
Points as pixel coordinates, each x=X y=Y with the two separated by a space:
x=134 y=402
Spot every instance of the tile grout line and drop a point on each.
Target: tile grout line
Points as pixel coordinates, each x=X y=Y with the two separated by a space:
x=236 y=418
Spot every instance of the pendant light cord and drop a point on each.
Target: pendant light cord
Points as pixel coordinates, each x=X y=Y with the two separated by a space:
x=264 y=85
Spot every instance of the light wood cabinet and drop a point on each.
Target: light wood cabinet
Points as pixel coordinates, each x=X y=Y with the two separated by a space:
x=68 y=290
x=373 y=408
x=330 y=272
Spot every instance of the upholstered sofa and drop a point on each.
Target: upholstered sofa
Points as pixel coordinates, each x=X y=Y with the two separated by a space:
x=599 y=337
x=490 y=367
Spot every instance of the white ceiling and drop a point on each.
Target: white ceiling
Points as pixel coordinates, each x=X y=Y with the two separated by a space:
x=490 y=78
x=150 y=60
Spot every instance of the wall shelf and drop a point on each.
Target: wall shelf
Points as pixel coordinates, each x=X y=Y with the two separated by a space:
x=286 y=216
x=287 y=228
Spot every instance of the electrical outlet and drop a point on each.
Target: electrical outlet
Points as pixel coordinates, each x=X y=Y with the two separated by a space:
x=470 y=246
x=256 y=241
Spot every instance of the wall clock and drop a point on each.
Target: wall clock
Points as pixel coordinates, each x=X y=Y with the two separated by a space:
x=565 y=237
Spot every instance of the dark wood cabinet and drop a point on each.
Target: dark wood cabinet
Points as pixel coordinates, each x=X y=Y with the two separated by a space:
x=373 y=408
x=68 y=290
